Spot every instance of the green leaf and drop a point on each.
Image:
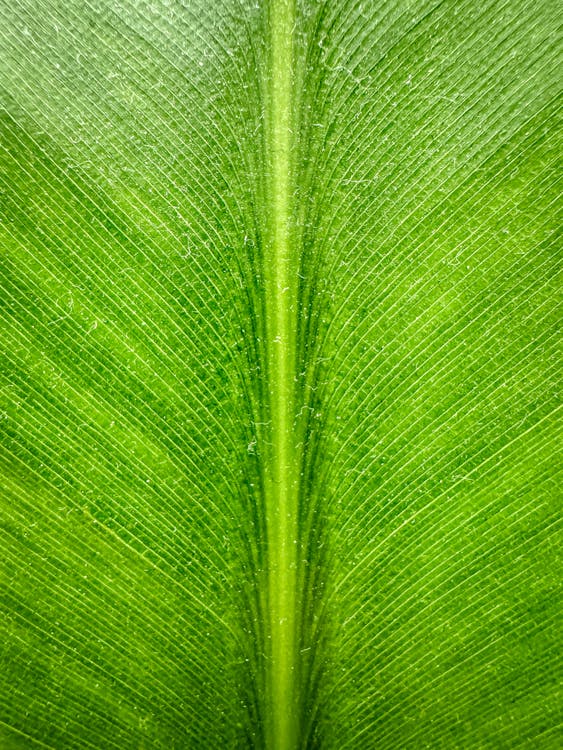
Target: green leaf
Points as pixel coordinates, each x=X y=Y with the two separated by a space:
x=279 y=289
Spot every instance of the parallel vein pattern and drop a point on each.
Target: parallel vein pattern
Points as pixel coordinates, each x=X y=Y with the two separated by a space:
x=280 y=412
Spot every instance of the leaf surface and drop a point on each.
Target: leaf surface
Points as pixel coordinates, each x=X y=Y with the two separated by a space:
x=280 y=414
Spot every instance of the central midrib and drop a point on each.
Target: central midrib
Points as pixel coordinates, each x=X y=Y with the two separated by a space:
x=282 y=723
